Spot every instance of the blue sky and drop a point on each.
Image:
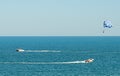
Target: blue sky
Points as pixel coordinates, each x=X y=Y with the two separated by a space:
x=58 y=17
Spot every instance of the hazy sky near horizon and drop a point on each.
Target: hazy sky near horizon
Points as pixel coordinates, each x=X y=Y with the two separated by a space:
x=58 y=17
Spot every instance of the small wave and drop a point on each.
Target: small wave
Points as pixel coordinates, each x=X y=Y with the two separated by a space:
x=72 y=62
x=41 y=51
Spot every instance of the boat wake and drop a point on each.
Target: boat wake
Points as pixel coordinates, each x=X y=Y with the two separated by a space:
x=72 y=62
x=41 y=51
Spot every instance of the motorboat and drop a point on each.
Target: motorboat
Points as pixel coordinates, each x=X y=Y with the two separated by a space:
x=19 y=50
x=89 y=60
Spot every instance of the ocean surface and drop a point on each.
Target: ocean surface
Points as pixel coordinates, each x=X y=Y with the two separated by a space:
x=59 y=56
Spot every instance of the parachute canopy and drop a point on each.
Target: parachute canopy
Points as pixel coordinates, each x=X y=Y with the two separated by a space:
x=107 y=24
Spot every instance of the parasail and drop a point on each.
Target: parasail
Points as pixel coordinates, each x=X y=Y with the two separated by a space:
x=107 y=24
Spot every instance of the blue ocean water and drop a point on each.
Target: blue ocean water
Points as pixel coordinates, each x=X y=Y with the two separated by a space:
x=42 y=53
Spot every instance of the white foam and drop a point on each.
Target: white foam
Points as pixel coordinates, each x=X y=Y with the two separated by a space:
x=72 y=62
x=42 y=51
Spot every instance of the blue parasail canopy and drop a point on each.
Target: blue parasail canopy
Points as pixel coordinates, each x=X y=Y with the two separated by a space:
x=107 y=24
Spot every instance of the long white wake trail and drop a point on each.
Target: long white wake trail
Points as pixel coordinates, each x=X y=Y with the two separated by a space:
x=72 y=62
x=42 y=51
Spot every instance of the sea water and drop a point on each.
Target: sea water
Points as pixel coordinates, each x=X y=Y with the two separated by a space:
x=59 y=56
